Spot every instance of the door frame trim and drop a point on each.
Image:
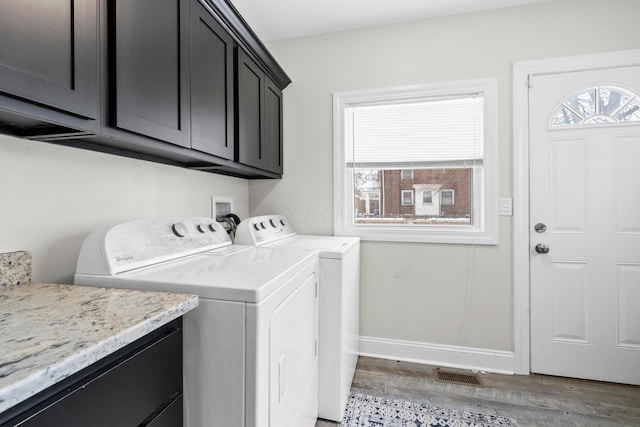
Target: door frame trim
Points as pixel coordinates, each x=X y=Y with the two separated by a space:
x=521 y=248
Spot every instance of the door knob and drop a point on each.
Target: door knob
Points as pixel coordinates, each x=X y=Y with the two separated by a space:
x=541 y=248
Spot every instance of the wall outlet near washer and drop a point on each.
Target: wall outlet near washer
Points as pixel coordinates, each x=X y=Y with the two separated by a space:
x=221 y=206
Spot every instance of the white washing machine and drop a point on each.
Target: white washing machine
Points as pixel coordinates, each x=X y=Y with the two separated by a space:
x=339 y=302
x=250 y=347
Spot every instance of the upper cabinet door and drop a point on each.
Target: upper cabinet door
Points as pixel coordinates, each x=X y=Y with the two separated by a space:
x=211 y=85
x=259 y=117
x=150 y=57
x=272 y=126
x=250 y=90
x=49 y=53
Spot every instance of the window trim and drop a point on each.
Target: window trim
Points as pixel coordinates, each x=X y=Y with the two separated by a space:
x=404 y=172
x=453 y=196
x=402 y=193
x=485 y=201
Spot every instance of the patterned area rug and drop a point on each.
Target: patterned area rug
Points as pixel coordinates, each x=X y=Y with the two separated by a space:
x=364 y=410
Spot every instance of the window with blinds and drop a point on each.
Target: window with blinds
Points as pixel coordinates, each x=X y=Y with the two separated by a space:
x=406 y=134
x=401 y=155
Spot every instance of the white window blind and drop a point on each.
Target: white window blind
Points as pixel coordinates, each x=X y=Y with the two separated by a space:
x=417 y=132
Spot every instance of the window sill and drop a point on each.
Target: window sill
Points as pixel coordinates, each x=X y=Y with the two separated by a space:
x=439 y=235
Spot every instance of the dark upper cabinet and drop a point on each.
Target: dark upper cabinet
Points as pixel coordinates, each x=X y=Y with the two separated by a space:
x=212 y=83
x=48 y=54
x=272 y=126
x=259 y=117
x=149 y=68
x=182 y=82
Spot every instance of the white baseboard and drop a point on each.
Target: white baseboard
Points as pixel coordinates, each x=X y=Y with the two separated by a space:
x=439 y=355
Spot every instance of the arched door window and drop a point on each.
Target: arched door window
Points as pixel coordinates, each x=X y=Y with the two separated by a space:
x=598 y=105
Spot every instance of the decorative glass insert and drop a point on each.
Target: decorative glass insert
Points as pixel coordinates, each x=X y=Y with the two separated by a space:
x=598 y=105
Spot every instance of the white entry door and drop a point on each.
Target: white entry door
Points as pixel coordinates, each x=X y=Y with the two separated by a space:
x=585 y=224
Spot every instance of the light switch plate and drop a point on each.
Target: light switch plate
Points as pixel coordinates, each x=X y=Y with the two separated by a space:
x=506 y=207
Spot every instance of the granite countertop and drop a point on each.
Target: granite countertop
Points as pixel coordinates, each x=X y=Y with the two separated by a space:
x=15 y=268
x=49 y=332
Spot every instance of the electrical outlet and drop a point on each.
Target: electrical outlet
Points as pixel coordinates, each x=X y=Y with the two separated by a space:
x=221 y=206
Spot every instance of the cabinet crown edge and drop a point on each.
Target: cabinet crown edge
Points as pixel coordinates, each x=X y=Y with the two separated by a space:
x=245 y=37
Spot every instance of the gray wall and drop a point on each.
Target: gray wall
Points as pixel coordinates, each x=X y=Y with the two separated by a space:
x=51 y=197
x=459 y=295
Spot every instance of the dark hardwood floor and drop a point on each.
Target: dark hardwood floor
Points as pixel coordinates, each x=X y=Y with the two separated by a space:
x=532 y=400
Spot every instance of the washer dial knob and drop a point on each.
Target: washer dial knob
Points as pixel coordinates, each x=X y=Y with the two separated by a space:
x=179 y=229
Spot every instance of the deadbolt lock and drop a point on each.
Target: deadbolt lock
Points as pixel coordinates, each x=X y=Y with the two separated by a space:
x=540 y=227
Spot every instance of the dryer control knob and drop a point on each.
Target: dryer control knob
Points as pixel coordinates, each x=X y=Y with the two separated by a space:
x=202 y=228
x=179 y=229
x=213 y=226
x=273 y=223
x=256 y=226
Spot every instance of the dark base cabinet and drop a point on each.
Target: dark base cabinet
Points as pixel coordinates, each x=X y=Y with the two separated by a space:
x=138 y=386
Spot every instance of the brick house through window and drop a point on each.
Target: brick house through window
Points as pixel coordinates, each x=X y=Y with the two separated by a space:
x=428 y=186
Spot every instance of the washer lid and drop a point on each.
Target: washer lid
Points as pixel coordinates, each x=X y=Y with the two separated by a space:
x=246 y=276
x=333 y=247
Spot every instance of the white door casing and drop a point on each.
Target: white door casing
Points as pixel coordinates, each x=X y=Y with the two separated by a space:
x=585 y=188
x=622 y=270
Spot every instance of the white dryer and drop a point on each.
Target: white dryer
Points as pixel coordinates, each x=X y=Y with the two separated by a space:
x=250 y=347
x=339 y=283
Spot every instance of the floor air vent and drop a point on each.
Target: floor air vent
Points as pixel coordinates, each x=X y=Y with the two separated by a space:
x=454 y=377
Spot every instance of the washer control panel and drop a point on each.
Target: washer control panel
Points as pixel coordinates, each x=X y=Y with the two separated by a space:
x=204 y=227
x=260 y=230
x=136 y=244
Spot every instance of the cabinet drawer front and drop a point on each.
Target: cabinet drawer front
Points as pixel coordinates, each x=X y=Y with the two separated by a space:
x=125 y=394
x=171 y=416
